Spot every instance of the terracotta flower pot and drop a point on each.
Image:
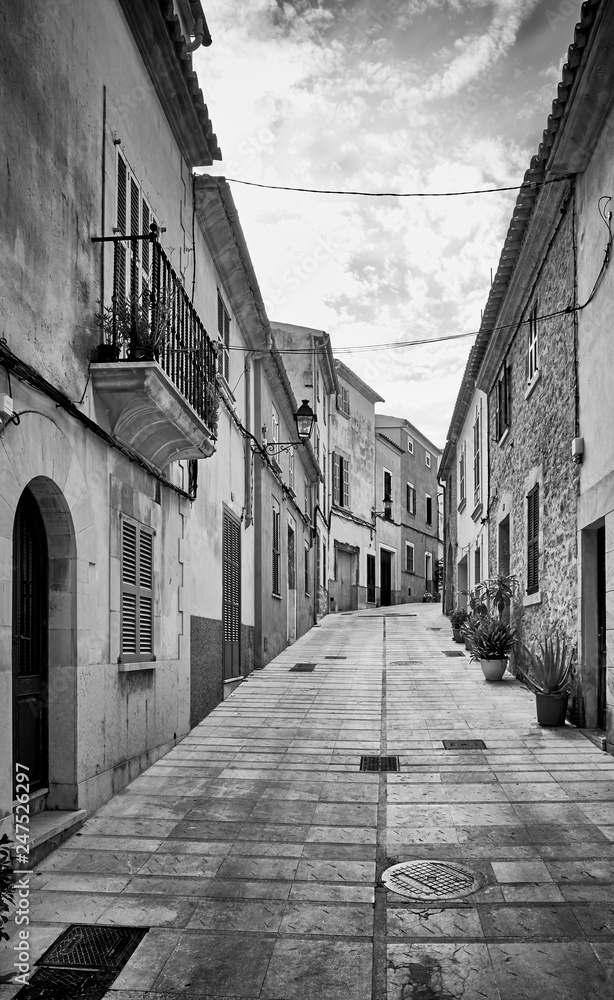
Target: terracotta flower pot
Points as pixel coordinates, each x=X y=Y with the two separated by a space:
x=493 y=670
x=457 y=634
x=551 y=711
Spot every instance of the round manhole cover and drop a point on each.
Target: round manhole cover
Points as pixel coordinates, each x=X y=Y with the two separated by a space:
x=431 y=880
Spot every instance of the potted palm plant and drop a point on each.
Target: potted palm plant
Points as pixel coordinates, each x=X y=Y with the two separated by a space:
x=490 y=641
x=458 y=617
x=551 y=676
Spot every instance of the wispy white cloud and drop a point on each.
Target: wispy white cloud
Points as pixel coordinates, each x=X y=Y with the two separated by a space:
x=341 y=94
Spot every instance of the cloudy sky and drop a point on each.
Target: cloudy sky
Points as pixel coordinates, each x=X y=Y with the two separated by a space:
x=382 y=95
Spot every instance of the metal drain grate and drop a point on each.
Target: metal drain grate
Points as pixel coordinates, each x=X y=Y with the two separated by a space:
x=433 y=628
x=302 y=667
x=464 y=744
x=452 y=652
x=379 y=764
x=331 y=657
x=406 y=663
x=84 y=946
x=431 y=880
x=65 y=984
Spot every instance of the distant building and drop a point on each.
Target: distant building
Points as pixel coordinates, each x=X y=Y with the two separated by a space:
x=407 y=506
x=354 y=576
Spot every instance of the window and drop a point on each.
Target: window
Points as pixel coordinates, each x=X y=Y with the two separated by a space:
x=477 y=483
x=427 y=459
x=428 y=513
x=343 y=401
x=318 y=563
x=318 y=382
x=411 y=499
x=533 y=346
x=324 y=564
x=341 y=481
x=136 y=626
x=134 y=217
x=324 y=476
x=410 y=445
x=306 y=498
x=387 y=494
x=503 y=402
x=275 y=429
x=306 y=569
x=291 y=469
x=462 y=475
x=370 y=578
x=409 y=557
x=276 y=550
x=223 y=336
x=477 y=566
x=533 y=540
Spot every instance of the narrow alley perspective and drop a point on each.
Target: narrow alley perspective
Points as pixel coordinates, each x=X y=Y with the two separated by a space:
x=252 y=858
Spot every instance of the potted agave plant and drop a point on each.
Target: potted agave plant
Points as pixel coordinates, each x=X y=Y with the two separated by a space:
x=458 y=617
x=551 y=676
x=490 y=641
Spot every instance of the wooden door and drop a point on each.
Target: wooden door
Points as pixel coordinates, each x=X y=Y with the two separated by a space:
x=231 y=596
x=344 y=581
x=30 y=641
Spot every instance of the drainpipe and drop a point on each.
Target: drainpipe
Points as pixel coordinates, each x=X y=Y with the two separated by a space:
x=201 y=34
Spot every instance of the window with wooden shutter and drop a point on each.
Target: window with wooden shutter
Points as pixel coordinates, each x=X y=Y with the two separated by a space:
x=533 y=540
x=411 y=499
x=136 y=618
x=306 y=569
x=343 y=401
x=223 y=333
x=428 y=512
x=477 y=467
x=462 y=464
x=503 y=408
x=409 y=557
x=345 y=482
x=231 y=596
x=370 y=579
x=336 y=478
x=276 y=551
x=533 y=345
x=134 y=217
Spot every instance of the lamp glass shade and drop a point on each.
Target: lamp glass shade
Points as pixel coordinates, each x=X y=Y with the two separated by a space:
x=304 y=418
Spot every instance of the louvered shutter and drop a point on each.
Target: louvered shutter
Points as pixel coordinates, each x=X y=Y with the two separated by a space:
x=231 y=596
x=336 y=477
x=345 y=472
x=276 y=553
x=533 y=540
x=122 y=224
x=136 y=625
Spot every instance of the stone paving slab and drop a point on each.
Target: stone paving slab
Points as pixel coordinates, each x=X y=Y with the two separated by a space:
x=253 y=850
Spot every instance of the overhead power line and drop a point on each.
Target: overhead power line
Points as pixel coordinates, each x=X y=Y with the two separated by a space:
x=526 y=185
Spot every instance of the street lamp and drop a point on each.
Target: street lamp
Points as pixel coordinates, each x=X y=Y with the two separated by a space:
x=304 y=419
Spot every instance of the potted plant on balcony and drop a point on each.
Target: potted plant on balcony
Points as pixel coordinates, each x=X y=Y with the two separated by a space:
x=551 y=677
x=132 y=327
x=458 y=617
x=490 y=641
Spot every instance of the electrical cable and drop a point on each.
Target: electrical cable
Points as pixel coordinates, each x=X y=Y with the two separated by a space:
x=526 y=185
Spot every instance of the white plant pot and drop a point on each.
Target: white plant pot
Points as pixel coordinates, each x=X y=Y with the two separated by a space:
x=493 y=670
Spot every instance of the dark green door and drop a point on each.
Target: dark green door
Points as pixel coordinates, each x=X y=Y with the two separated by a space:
x=231 y=596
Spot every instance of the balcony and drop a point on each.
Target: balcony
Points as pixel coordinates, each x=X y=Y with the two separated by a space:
x=156 y=368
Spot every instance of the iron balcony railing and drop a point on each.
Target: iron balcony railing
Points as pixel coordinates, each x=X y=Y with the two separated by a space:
x=152 y=318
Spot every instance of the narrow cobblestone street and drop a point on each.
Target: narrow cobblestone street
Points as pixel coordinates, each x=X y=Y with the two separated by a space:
x=254 y=850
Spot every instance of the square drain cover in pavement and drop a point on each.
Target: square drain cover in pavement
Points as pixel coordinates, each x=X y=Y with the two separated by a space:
x=64 y=984
x=431 y=880
x=464 y=744
x=335 y=657
x=379 y=764
x=433 y=628
x=452 y=652
x=93 y=947
x=303 y=667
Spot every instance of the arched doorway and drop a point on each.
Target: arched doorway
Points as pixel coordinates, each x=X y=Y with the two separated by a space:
x=45 y=644
x=30 y=641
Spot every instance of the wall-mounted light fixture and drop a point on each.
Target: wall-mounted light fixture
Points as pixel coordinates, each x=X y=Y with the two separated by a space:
x=304 y=419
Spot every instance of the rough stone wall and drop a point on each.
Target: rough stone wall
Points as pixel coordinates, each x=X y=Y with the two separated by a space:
x=538 y=447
